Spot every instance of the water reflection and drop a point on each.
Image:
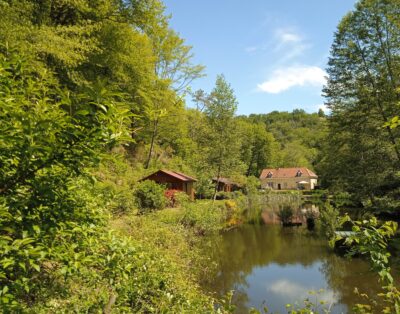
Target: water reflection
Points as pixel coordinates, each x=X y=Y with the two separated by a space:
x=268 y=263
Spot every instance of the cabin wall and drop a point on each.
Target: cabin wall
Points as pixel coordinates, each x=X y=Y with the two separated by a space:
x=190 y=190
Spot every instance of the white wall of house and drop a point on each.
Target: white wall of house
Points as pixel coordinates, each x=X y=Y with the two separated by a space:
x=313 y=183
x=288 y=183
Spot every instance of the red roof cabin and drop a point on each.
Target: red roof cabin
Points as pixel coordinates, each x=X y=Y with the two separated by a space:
x=174 y=181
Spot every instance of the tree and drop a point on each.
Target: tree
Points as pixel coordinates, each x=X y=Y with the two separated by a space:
x=223 y=149
x=362 y=94
x=258 y=147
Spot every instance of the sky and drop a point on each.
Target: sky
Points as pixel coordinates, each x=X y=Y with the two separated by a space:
x=272 y=52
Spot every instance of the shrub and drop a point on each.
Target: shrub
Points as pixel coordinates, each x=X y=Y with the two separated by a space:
x=328 y=220
x=150 y=196
x=233 y=213
x=204 y=188
x=203 y=217
x=181 y=198
x=45 y=153
x=285 y=214
x=170 y=196
x=176 y=198
x=252 y=185
x=115 y=179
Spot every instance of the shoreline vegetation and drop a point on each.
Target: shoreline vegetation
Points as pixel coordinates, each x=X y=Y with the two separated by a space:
x=147 y=260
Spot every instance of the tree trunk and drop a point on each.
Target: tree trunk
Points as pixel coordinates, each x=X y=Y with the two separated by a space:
x=153 y=136
x=380 y=108
x=217 y=183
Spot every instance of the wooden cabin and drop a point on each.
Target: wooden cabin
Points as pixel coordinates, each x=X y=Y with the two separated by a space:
x=226 y=185
x=174 y=180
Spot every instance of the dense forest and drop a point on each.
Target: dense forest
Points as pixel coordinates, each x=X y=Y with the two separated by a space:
x=92 y=98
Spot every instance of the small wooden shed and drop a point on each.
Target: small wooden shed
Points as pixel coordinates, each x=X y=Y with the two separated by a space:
x=174 y=181
x=226 y=185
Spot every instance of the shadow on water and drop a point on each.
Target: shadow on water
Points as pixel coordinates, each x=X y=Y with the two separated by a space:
x=281 y=265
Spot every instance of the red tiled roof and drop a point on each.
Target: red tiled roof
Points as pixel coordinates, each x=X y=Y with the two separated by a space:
x=175 y=174
x=287 y=173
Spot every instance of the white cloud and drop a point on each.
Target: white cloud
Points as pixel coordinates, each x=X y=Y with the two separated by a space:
x=289 y=44
x=323 y=107
x=287 y=36
x=285 y=78
x=294 y=291
x=287 y=288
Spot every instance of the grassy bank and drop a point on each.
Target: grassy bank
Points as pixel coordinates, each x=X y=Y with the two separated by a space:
x=149 y=263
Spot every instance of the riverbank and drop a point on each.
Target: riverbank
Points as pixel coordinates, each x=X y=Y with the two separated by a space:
x=152 y=263
x=164 y=261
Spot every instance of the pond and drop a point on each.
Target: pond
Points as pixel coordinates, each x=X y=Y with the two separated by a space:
x=271 y=265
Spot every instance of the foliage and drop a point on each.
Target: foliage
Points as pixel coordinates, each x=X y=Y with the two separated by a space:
x=285 y=214
x=176 y=198
x=114 y=270
x=308 y=307
x=362 y=152
x=258 y=148
x=115 y=180
x=149 y=195
x=297 y=137
x=204 y=188
x=234 y=215
x=328 y=220
x=252 y=185
x=220 y=107
x=204 y=217
x=370 y=238
x=44 y=152
x=83 y=83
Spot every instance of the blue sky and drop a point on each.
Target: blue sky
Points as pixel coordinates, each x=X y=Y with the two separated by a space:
x=273 y=53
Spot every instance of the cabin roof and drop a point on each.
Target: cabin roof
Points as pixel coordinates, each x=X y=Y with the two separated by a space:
x=225 y=181
x=175 y=174
x=287 y=173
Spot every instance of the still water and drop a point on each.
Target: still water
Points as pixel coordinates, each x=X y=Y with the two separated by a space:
x=271 y=265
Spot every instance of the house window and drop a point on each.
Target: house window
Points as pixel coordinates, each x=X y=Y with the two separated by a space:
x=269 y=175
x=299 y=173
x=270 y=184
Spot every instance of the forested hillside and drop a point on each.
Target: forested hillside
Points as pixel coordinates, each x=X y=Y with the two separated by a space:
x=300 y=136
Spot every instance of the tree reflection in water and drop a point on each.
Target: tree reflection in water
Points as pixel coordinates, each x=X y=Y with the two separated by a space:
x=280 y=265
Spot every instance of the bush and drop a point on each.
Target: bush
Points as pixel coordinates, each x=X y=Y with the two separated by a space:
x=150 y=196
x=45 y=153
x=118 y=272
x=181 y=198
x=176 y=198
x=204 y=188
x=285 y=214
x=234 y=214
x=221 y=195
x=115 y=179
x=204 y=217
x=252 y=185
x=328 y=220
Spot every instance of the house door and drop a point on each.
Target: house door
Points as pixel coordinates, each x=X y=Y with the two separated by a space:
x=279 y=186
